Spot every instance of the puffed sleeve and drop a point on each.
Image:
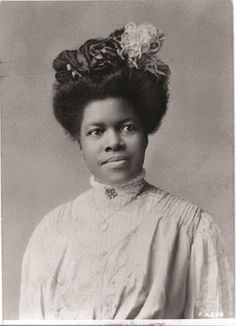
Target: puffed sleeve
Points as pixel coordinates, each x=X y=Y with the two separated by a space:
x=40 y=260
x=210 y=281
x=33 y=275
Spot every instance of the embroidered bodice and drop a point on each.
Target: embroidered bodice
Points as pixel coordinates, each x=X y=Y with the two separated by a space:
x=127 y=252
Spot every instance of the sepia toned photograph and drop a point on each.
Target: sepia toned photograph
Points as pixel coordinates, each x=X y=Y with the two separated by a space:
x=117 y=154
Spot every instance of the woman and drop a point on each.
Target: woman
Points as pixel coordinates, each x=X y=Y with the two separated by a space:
x=124 y=249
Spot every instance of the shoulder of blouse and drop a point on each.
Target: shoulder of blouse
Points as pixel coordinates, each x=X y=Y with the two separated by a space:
x=207 y=227
x=56 y=219
x=174 y=208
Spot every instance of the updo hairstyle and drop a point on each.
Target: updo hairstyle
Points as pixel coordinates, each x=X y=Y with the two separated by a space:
x=110 y=68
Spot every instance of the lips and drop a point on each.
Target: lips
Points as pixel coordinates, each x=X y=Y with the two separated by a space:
x=115 y=159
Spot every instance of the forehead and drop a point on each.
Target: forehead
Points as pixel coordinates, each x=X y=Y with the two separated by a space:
x=108 y=111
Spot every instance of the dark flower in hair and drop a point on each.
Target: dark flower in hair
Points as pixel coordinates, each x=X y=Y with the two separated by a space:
x=101 y=53
x=154 y=65
x=70 y=65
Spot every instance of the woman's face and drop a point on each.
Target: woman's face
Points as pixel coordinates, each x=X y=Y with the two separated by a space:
x=112 y=140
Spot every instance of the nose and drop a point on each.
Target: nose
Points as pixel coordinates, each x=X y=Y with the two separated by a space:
x=114 y=141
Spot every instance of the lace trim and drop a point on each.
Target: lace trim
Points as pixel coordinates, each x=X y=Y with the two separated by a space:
x=122 y=187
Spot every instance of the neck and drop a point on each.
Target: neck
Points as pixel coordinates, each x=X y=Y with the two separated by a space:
x=138 y=178
x=109 y=198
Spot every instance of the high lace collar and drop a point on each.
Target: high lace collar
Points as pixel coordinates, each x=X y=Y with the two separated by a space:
x=108 y=200
x=114 y=193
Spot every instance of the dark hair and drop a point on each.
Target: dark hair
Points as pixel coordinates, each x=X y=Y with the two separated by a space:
x=144 y=91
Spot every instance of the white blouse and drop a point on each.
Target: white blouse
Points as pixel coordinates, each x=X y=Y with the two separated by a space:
x=133 y=252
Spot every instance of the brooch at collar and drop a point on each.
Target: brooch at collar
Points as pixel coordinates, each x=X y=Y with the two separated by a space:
x=110 y=193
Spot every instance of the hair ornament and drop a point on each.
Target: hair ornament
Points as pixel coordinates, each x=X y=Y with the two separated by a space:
x=70 y=65
x=137 y=41
x=132 y=46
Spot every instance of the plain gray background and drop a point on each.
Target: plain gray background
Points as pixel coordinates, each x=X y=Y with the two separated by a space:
x=192 y=153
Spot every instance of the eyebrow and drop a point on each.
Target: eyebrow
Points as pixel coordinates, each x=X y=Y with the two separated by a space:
x=94 y=124
x=127 y=120
x=101 y=124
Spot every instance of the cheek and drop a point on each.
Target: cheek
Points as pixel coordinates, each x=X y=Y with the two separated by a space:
x=137 y=150
x=90 y=151
x=89 y=159
x=139 y=144
x=87 y=152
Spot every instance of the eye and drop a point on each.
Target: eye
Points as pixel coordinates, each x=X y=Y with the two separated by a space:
x=95 y=132
x=128 y=127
